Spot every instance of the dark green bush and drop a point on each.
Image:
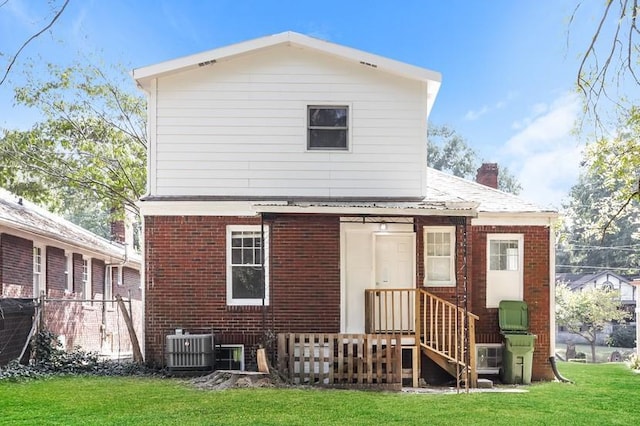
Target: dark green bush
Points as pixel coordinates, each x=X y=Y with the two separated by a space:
x=623 y=336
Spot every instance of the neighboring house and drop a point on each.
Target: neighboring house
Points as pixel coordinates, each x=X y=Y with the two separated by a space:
x=289 y=192
x=42 y=254
x=604 y=279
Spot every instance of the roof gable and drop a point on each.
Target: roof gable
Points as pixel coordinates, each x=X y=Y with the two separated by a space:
x=145 y=75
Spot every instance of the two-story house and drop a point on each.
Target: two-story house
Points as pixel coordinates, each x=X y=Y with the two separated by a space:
x=289 y=193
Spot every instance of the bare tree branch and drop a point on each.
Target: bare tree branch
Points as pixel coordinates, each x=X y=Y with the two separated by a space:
x=30 y=39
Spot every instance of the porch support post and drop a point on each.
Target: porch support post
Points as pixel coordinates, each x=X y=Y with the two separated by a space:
x=416 y=357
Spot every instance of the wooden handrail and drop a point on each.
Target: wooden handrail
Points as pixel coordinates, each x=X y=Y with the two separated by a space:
x=439 y=325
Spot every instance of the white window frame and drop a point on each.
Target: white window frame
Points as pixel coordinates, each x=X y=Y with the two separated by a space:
x=108 y=281
x=69 y=271
x=241 y=347
x=39 y=262
x=265 y=247
x=347 y=128
x=86 y=279
x=451 y=230
x=506 y=284
x=489 y=369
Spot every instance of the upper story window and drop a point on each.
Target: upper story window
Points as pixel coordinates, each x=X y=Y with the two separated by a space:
x=327 y=127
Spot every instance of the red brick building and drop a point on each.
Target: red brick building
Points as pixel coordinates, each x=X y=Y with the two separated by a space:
x=42 y=254
x=288 y=192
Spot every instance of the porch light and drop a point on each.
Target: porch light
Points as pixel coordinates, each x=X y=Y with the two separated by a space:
x=383 y=226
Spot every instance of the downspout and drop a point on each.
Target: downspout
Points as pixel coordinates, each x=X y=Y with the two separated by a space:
x=552 y=304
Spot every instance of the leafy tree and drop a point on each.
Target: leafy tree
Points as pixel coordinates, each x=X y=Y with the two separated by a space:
x=55 y=13
x=587 y=312
x=593 y=232
x=88 y=156
x=449 y=151
x=607 y=77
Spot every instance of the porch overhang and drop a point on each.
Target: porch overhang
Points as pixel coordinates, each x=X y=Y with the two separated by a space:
x=190 y=207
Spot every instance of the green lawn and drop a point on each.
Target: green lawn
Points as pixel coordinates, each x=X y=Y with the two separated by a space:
x=602 y=394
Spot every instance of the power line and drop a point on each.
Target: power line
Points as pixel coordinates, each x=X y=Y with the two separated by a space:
x=609 y=268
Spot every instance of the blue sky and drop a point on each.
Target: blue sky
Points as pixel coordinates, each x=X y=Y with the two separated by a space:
x=508 y=66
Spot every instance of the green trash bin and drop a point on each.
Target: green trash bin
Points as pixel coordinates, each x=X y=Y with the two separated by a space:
x=517 y=358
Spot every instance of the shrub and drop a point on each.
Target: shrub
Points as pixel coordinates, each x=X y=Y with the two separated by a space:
x=49 y=359
x=623 y=336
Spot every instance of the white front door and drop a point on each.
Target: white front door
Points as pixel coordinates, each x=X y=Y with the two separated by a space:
x=373 y=259
x=394 y=269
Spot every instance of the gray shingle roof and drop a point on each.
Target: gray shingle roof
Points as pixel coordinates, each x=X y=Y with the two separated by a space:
x=445 y=187
x=20 y=214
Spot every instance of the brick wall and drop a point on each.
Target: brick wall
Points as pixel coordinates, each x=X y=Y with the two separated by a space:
x=186 y=280
x=536 y=291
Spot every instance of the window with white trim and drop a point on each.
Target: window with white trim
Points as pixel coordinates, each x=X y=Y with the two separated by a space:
x=111 y=277
x=245 y=271
x=439 y=256
x=503 y=255
x=38 y=270
x=86 y=278
x=328 y=127
x=505 y=274
x=68 y=271
x=230 y=357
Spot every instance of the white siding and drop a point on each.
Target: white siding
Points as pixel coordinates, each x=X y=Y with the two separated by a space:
x=238 y=128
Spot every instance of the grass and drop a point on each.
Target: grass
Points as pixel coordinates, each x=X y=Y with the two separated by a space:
x=601 y=394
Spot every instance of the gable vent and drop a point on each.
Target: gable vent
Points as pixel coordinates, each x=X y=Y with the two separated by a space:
x=205 y=63
x=369 y=64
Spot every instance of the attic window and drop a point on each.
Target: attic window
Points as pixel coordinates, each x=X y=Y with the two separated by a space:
x=327 y=127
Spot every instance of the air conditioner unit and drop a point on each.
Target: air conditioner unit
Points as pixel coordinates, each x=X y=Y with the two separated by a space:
x=190 y=351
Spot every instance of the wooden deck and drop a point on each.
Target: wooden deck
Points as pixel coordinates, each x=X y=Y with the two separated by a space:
x=442 y=331
x=349 y=360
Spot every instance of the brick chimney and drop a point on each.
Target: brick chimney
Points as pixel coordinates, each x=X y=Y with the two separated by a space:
x=118 y=231
x=488 y=175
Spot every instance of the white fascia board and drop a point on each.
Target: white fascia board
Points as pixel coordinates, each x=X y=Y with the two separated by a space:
x=144 y=75
x=515 y=219
x=249 y=208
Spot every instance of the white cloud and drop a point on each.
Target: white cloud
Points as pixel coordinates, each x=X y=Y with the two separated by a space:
x=544 y=154
x=473 y=115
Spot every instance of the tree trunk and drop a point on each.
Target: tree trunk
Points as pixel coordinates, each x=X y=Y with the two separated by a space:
x=593 y=350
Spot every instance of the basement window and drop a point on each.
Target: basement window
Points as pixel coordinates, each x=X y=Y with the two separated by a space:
x=488 y=358
x=327 y=127
x=230 y=357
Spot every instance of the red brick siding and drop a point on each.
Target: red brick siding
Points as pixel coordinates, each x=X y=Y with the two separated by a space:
x=130 y=284
x=17 y=266
x=186 y=279
x=536 y=290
